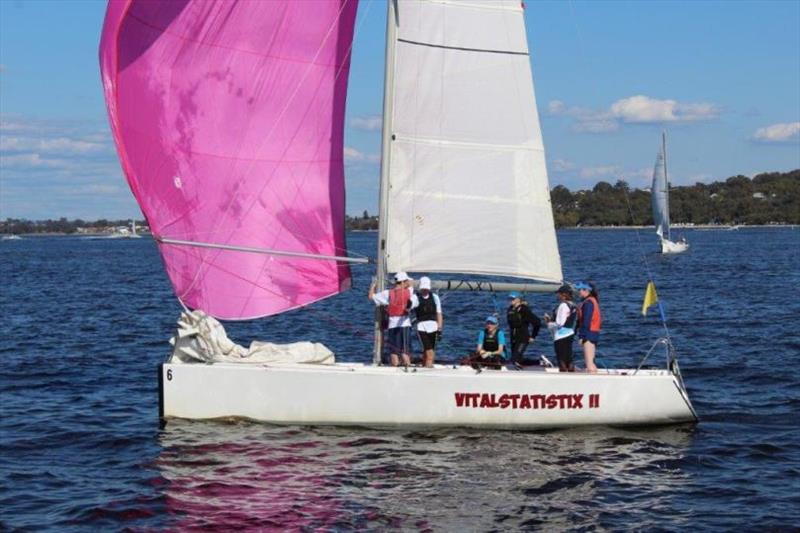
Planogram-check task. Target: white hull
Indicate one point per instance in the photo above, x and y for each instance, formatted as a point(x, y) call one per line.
point(669, 247)
point(359, 395)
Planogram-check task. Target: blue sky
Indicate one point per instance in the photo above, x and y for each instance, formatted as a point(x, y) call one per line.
point(723, 78)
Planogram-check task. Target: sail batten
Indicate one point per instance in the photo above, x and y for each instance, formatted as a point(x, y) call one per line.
point(467, 184)
point(229, 121)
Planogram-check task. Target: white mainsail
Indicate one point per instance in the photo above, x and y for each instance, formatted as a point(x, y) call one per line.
point(660, 192)
point(467, 188)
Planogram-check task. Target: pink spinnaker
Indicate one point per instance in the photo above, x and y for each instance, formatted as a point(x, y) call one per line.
point(229, 123)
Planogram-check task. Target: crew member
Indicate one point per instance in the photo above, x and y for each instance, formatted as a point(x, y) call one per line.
point(490, 350)
point(562, 326)
point(589, 322)
point(428, 309)
point(524, 326)
point(398, 303)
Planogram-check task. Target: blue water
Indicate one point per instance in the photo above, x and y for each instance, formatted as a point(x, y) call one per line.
point(85, 322)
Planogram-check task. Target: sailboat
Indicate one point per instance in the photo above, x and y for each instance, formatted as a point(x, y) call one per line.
point(125, 233)
point(660, 201)
point(229, 123)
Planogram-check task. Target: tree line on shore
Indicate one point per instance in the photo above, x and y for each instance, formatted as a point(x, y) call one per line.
point(768, 198)
point(19, 226)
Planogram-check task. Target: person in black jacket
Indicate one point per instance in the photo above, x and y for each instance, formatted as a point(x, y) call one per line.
point(524, 326)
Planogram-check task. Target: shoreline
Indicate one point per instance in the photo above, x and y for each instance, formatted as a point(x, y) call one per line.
point(718, 227)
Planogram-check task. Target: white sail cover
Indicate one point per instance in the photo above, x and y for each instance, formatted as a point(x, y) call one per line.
point(660, 196)
point(468, 189)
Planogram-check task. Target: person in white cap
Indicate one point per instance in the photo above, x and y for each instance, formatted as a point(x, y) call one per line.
point(398, 304)
point(428, 309)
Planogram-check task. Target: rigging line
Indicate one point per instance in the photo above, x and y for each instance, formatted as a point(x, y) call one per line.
point(593, 84)
point(644, 259)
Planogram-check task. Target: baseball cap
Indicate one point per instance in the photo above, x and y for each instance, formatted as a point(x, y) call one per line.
point(513, 295)
point(491, 319)
point(401, 276)
point(425, 283)
point(582, 285)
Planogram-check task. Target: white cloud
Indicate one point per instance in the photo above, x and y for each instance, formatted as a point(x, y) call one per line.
point(646, 172)
point(645, 110)
point(778, 133)
point(102, 188)
point(51, 168)
point(21, 161)
point(561, 165)
point(556, 107)
point(599, 125)
point(353, 155)
point(637, 109)
point(368, 122)
point(59, 145)
point(593, 172)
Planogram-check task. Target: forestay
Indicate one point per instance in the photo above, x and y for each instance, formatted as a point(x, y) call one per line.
point(660, 198)
point(467, 185)
point(229, 121)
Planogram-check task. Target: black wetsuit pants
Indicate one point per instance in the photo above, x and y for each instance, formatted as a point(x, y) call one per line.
point(564, 354)
point(518, 351)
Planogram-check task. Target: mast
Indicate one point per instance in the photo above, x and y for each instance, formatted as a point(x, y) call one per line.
point(666, 179)
point(388, 97)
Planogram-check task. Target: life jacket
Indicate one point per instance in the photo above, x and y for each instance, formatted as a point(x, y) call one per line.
point(572, 319)
point(490, 342)
point(594, 327)
point(514, 317)
point(426, 310)
point(399, 299)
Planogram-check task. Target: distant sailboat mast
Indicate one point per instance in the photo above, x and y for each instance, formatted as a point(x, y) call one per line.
point(666, 181)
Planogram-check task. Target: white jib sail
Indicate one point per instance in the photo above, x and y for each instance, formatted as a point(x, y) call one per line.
point(467, 185)
point(659, 196)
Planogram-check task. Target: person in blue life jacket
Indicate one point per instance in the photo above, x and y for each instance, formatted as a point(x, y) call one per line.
point(562, 325)
point(428, 310)
point(490, 349)
point(524, 325)
point(589, 322)
point(398, 303)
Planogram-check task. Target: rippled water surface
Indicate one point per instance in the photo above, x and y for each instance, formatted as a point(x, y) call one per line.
point(85, 322)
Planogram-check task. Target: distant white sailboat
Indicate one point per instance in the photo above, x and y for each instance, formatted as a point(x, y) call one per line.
point(251, 224)
point(660, 202)
point(125, 233)
point(11, 237)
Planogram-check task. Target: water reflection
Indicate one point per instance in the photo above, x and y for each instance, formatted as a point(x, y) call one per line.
point(245, 475)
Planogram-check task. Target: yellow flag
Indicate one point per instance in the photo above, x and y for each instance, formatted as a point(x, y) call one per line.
point(650, 297)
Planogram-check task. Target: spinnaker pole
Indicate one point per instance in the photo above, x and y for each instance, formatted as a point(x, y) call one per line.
point(388, 97)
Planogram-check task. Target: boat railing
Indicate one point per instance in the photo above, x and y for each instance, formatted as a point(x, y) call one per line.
point(669, 352)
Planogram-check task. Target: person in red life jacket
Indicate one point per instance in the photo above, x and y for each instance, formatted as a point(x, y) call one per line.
point(589, 322)
point(428, 309)
point(398, 303)
point(562, 326)
point(524, 326)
